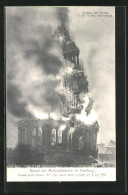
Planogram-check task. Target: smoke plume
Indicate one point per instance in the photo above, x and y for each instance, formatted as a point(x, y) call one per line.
point(33, 60)
point(62, 15)
point(43, 52)
point(15, 104)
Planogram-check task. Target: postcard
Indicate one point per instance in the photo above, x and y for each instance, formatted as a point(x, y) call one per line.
point(60, 93)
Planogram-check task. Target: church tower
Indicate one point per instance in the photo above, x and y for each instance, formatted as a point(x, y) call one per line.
point(74, 83)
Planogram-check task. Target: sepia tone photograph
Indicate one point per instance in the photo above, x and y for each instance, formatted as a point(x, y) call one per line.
point(60, 89)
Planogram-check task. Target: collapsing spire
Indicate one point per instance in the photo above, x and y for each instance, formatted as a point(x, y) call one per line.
point(74, 83)
point(70, 50)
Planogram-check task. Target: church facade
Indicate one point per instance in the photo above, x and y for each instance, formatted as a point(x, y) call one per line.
point(51, 134)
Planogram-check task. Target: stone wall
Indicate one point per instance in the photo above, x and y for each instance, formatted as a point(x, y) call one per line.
point(45, 135)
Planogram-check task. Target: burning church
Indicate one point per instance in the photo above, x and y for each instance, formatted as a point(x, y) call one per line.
point(69, 133)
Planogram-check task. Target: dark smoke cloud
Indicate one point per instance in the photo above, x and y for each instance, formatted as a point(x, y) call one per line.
point(30, 39)
point(49, 63)
point(62, 15)
point(37, 49)
point(48, 98)
point(15, 104)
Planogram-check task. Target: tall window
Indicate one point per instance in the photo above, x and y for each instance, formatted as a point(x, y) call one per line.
point(53, 137)
point(39, 136)
point(60, 136)
point(40, 132)
point(80, 143)
point(34, 133)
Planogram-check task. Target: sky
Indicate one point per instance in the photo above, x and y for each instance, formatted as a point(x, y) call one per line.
point(34, 60)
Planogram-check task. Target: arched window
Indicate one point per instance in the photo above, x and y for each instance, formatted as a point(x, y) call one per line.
point(80, 143)
point(34, 133)
point(53, 137)
point(40, 132)
point(39, 136)
point(60, 131)
point(60, 136)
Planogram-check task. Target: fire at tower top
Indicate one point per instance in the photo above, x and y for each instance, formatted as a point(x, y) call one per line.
point(74, 85)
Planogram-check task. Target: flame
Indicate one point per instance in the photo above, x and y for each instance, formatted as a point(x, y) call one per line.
point(72, 129)
point(68, 70)
point(38, 113)
point(64, 71)
point(83, 117)
point(62, 127)
point(61, 39)
point(87, 119)
point(86, 100)
point(53, 116)
point(42, 115)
